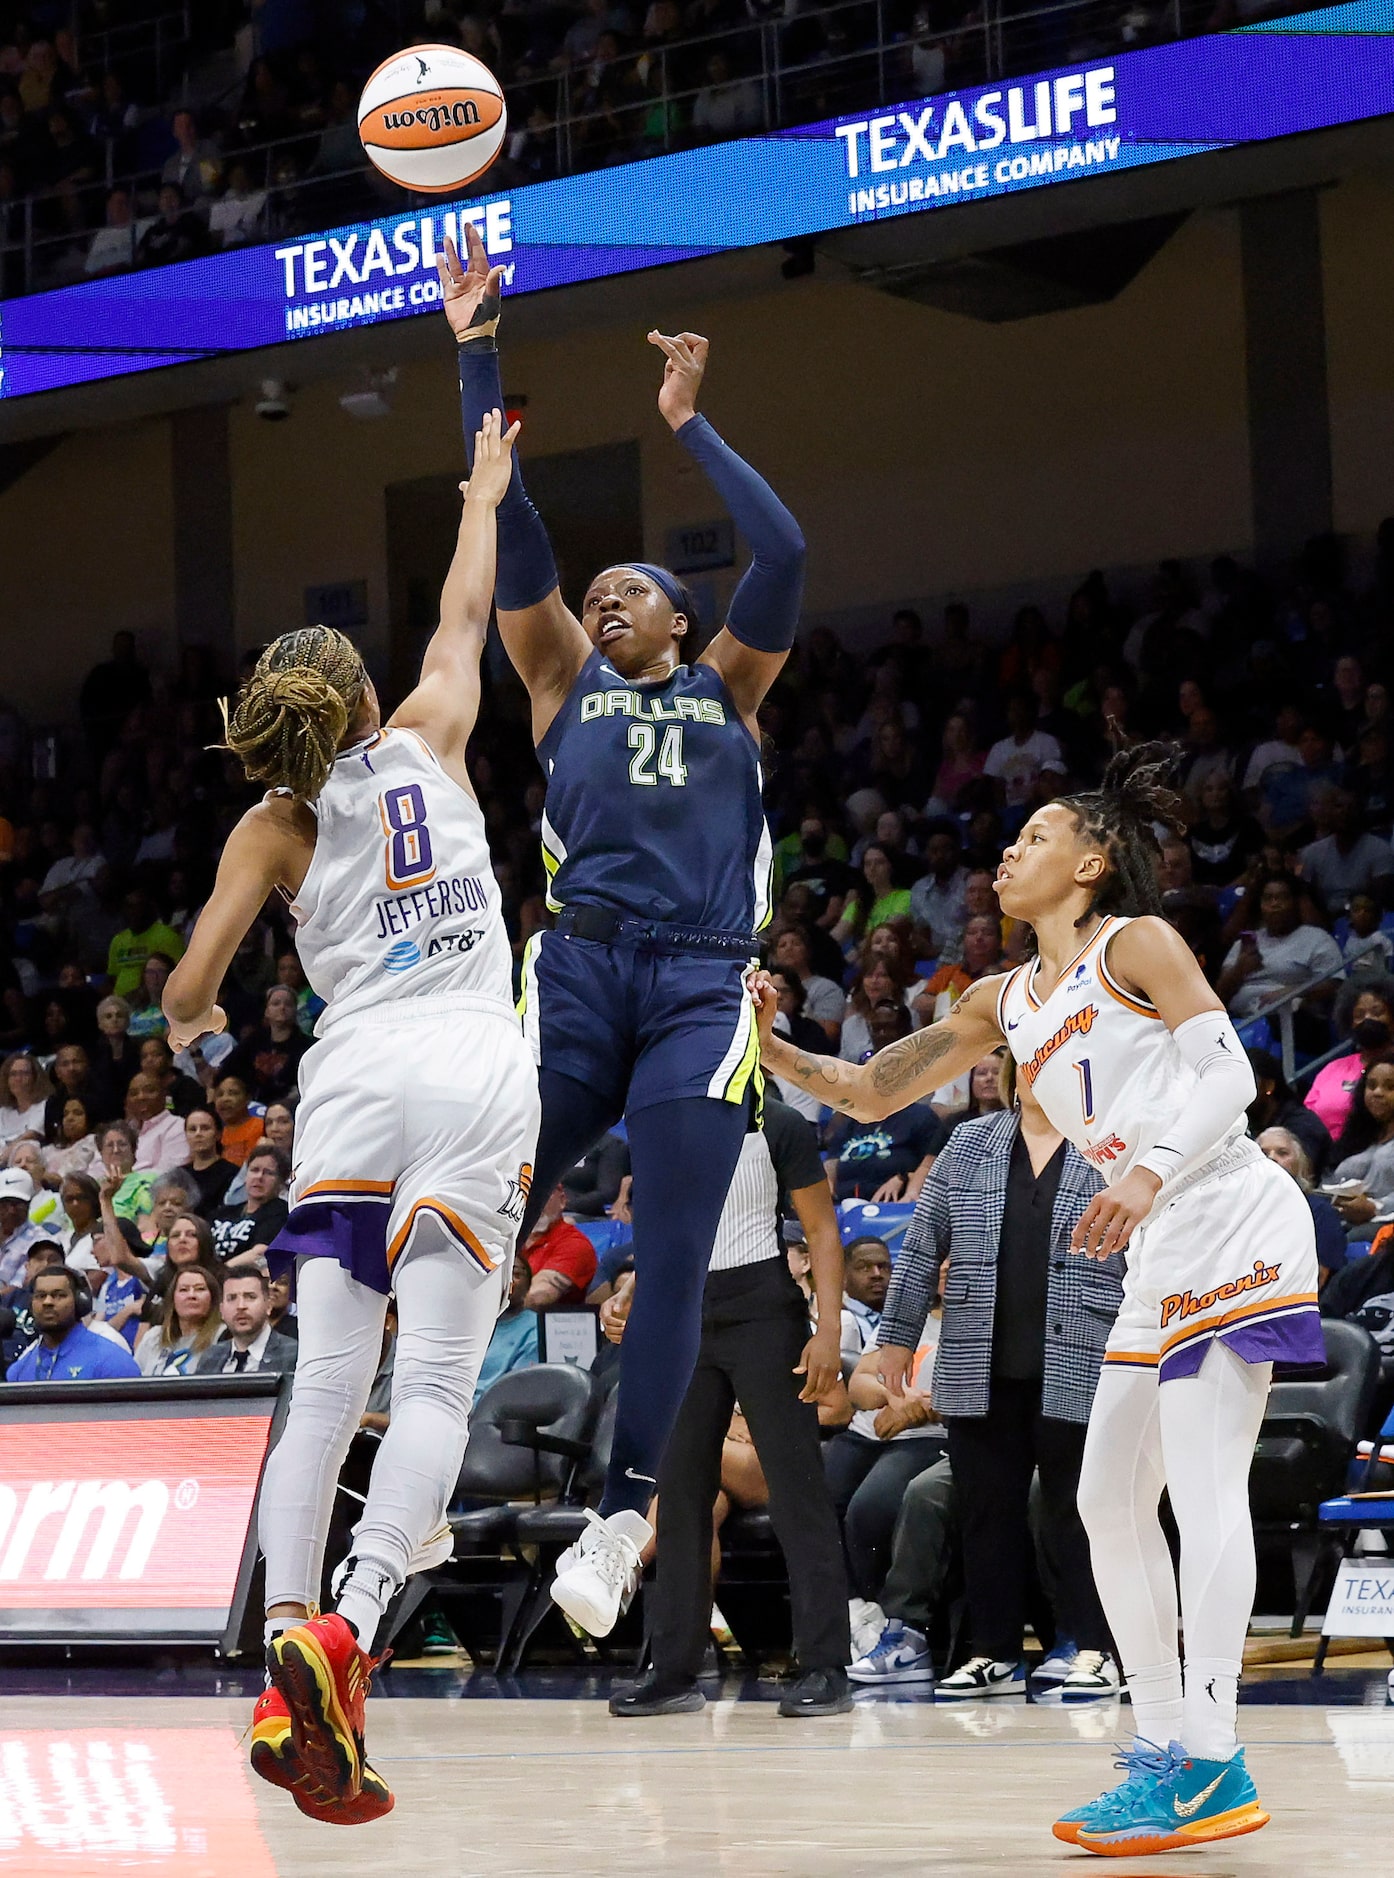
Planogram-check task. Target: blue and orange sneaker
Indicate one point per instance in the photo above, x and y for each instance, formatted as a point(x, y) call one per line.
point(324, 1676)
point(1144, 1767)
point(1197, 1802)
point(275, 1760)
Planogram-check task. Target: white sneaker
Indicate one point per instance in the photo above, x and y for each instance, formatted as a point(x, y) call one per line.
point(1094, 1678)
point(867, 1621)
point(598, 1576)
point(900, 1655)
point(432, 1551)
point(980, 1676)
point(1048, 1678)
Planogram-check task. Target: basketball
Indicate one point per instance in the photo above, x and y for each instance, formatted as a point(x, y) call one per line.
point(432, 118)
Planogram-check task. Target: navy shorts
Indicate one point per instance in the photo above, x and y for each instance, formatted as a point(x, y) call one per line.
point(638, 1026)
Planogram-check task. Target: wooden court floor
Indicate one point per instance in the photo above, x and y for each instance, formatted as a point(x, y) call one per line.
point(159, 1786)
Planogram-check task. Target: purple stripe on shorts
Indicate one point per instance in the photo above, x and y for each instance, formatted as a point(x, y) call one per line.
point(1294, 1338)
point(355, 1235)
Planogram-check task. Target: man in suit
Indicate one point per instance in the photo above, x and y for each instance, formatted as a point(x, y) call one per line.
point(251, 1346)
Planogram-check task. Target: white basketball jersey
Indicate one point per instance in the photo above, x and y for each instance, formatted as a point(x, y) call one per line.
point(400, 900)
point(1098, 1059)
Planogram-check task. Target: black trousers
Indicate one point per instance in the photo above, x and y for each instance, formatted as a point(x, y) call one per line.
point(868, 1480)
point(754, 1327)
point(993, 1457)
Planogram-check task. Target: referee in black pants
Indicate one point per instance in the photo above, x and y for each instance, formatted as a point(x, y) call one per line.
point(756, 1352)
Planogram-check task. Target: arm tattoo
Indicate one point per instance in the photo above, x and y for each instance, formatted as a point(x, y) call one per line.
point(900, 1064)
point(823, 1076)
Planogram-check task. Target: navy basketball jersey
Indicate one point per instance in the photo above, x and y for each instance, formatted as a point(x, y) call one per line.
point(653, 802)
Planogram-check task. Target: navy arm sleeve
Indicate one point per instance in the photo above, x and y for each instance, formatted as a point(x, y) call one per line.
point(527, 572)
point(764, 610)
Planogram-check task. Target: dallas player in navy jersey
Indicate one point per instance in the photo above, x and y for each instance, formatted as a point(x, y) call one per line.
point(659, 866)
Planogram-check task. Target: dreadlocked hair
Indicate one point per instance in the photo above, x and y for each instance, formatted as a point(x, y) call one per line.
point(291, 715)
point(1120, 815)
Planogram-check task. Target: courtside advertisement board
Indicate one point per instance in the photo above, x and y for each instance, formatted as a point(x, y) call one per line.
point(129, 1516)
point(1277, 79)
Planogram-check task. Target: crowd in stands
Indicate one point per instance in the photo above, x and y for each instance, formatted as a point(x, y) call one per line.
point(127, 162)
point(896, 775)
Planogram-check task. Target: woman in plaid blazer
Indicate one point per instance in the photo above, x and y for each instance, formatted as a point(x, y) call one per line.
point(1020, 1349)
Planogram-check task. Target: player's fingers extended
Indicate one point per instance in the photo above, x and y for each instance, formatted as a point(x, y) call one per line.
point(450, 261)
point(474, 241)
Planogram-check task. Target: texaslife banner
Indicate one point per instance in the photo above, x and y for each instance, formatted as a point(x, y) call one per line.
point(1277, 79)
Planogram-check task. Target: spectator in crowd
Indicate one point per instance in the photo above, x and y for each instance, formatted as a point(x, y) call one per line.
point(188, 1241)
point(74, 880)
point(17, 1231)
point(878, 982)
point(250, 1346)
point(823, 1001)
point(239, 1129)
point(1368, 949)
point(268, 1060)
point(593, 1185)
point(160, 1137)
point(1280, 953)
point(111, 691)
point(116, 1057)
point(1224, 841)
point(71, 1143)
point(144, 932)
point(1346, 859)
point(65, 1349)
point(938, 900)
point(982, 956)
point(190, 1324)
point(866, 1278)
point(726, 106)
point(13, 1343)
point(24, 1091)
point(132, 1188)
point(561, 1257)
point(514, 1342)
point(1275, 1105)
point(176, 234)
point(1361, 1183)
point(821, 867)
point(175, 1193)
point(1364, 1015)
point(193, 167)
point(181, 1093)
point(113, 245)
point(803, 1033)
point(1282, 1146)
point(210, 1170)
point(877, 897)
point(960, 766)
point(984, 1091)
point(243, 1233)
point(71, 1072)
point(81, 1199)
point(119, 1297)
point(1017, 762)
point(147, 1017)
point(755, 1351)
point(278, 1127)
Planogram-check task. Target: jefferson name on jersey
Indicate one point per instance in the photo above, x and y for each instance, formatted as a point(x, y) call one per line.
point(409, 905)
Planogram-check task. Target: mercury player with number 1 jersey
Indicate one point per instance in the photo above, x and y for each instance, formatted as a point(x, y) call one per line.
point(415, 1133)
point(1132, 1057)
point(659, 864)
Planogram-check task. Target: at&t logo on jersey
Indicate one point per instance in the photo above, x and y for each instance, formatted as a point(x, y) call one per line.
point(402, 956)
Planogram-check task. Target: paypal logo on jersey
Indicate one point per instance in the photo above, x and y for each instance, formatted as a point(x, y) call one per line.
point(402, 956)
point(1077, 982)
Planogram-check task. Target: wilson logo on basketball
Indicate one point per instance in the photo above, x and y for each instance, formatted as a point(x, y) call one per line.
point(437, 117)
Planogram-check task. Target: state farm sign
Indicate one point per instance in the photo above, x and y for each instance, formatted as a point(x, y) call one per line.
point(131, 1513)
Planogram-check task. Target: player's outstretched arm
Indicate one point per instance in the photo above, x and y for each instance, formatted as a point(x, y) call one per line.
point(270, 847)
point(750, 650)
point(445, 704)
point(901, 1073)
point(543, 638)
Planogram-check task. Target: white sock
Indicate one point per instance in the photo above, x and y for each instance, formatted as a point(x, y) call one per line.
point(1158, 1709)
point(1212, 1693)
point(274, 1627)
point(368, 1590)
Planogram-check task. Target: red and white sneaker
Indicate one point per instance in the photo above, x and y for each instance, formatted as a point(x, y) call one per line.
point(275, 1760)
point(323, 1676)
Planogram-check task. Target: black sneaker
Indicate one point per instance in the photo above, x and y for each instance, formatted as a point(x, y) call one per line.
point(818, 1692)
point(655, 1694)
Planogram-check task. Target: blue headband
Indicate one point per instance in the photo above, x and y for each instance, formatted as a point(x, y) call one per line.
point(669, 586)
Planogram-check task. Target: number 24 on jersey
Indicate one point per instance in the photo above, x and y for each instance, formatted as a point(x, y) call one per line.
point(643, 741)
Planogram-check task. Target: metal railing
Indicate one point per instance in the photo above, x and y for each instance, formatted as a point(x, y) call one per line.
point(1282, 1007)
point(774, 73)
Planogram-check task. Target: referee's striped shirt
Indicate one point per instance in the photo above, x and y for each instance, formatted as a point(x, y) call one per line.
point(774, 1162)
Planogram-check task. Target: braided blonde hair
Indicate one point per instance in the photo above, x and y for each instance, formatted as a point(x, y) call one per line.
point(291, 715)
